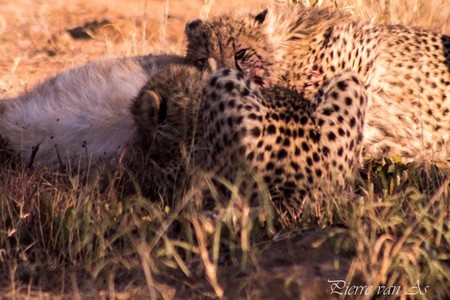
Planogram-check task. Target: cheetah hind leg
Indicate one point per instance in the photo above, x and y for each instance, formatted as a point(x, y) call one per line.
point(338, 110)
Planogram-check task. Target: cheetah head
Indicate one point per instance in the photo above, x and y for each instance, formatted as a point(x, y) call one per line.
point(234, 42)
point(167, 105)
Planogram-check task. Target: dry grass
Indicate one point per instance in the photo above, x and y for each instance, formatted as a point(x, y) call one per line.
point(434, 15)
point(79, 236)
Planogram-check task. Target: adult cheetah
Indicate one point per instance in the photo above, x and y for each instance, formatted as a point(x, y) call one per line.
point(273, 139)
point(406, 70)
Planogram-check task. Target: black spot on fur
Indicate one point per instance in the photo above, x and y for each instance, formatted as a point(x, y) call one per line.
point(229, 86)
point(271, 129)
point(251, 155)
point(331, 136)
point(253, 116)
point(315, 136)
point(342, 85)
point(256, 132)
point(303, 120)
point(226, 72)
point(328, 111)
point(318, 172)
point(282, 154)
point(299, 176)
point(279, 171)
point(213, 81)
point(245, 93)
point(301, 132)
point(305, 147)
point(316, 157)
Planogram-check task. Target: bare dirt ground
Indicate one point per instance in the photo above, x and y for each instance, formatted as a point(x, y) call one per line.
point(36, 42)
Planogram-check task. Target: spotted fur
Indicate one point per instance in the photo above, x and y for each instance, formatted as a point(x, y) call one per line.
point(270, 139)
point(276, 139)
point(406, 70)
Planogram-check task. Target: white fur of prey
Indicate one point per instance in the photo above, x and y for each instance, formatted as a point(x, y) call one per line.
point(80, 115)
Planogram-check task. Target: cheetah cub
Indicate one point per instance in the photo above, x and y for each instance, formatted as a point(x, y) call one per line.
point(276, 140)
point(271, 138)
point(406, 70)
point(166, 112)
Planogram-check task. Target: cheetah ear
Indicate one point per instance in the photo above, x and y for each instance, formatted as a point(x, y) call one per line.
point(261, 16)
point(147, 109)
point(159, 103)
point(192, 27)
point(154, 98)
point(149, 100)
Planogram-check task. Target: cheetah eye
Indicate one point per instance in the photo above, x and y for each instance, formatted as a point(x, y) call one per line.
point(240, 54)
